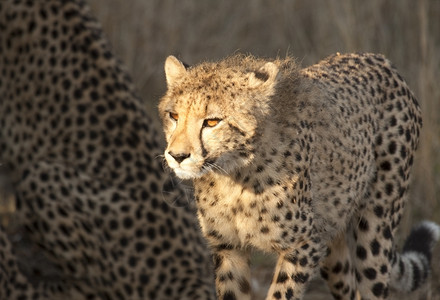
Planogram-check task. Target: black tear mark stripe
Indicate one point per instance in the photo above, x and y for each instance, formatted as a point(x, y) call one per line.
point(204, 151)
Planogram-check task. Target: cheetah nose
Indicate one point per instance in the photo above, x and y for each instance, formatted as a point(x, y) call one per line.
point(179, 157)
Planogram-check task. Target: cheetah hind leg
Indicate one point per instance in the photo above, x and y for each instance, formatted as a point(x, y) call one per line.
point(337, 270)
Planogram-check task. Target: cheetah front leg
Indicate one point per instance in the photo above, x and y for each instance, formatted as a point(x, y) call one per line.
point(337, 269)
point(232, 273)
point(294, 270)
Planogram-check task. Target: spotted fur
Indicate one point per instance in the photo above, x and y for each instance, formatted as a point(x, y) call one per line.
point(312, 164)
point(79, 148)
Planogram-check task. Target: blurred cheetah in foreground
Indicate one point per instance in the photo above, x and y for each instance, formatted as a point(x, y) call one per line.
point(312, 164)
point(78, 145)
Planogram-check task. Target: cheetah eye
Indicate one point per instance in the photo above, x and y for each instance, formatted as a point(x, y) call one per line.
point(211, 122)
point(174, 116)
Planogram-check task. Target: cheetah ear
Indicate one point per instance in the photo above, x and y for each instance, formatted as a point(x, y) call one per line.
point(174, 69)
point(265, 76)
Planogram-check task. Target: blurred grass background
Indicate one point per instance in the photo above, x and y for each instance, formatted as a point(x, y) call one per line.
point(144, 33)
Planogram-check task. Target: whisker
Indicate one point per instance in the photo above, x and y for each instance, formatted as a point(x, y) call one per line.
point(159, 156)
point(217, 167)
point(165, 165)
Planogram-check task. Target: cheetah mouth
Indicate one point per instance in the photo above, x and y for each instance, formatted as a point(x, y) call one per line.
point(188, 173)
point(183, 173)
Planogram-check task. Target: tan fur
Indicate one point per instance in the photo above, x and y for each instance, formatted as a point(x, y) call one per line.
point(299, 159)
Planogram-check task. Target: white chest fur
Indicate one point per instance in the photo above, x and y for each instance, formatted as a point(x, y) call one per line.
point(233, 213)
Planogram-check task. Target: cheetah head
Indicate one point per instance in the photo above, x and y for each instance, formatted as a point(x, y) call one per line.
point(212, 113)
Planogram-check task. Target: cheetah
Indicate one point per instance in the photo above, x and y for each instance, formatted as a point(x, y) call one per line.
point(79, 148)
point(312, 164)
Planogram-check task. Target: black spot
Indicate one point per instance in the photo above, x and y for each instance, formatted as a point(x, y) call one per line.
point(139, 246)
point(229, 295)
point(260, 169)
point(277, 295)
point(275, 218)
point(378, 289)
point(337, 297)
point(392, 147)
point(370, 273)
point(338, 285)
point(289, 293)
point(378, 211)
point(300, 277)
point(324, 274)
point(144, 279)
point(358, 276)
point(258, 189)
point(387, 233)
point(337, 268)
point(369, 61)
point(64, 191)
point(128, 222)
point(123, 242)
point(77, 94)
point(389, 188)
point(44, 177)
point(282, 277)
point(244, 285)
point(393, 121)
point(151, 262)
point(403, 152)
point(113, 224)
point(303, 261)
point(122, 272)
point(222, 247)
point(386, 166)
point(375, 247)
point(264, 229)
point(361, 252)
point(379, 140)
point(363, 224)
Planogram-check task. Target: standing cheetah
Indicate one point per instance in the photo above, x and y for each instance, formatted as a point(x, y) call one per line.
point(312, 164)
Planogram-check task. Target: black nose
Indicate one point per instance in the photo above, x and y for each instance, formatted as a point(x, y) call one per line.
point(179, 157)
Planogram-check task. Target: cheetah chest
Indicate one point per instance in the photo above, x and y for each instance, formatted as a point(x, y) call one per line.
point(234, 214)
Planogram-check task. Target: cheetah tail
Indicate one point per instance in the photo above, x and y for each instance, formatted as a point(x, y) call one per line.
point(413, 267)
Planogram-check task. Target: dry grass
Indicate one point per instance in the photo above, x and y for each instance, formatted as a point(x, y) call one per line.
point(407, 32)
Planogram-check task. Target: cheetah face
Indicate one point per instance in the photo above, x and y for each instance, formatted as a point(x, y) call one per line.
point(211, 115)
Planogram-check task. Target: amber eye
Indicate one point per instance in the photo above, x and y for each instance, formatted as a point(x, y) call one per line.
point(174, 116)
point(211, 122)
